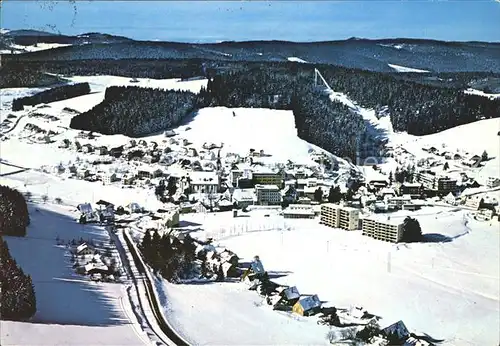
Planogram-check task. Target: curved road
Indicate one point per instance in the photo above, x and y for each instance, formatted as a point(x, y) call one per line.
point(143, 279)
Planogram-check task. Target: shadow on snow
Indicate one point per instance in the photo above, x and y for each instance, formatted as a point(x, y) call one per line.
point(64, 297)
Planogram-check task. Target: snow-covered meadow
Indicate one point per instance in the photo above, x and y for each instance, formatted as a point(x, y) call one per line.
point(446, 287)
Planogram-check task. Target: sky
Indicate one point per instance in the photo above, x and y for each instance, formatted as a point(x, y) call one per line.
point(214, 21)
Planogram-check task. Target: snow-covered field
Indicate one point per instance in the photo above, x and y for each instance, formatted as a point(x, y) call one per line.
point(447, 288)
point(295, 59)
point(16, 48)
point(399, 68)
point(481, 93)
point(70, 309)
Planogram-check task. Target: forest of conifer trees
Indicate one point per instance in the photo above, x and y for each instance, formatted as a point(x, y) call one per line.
point(171, 258)
point(17, 298)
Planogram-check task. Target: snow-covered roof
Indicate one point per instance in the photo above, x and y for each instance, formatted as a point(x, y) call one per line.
point(243, 194)
point(411, 185)
point(85, 208)
point(291, 293)
point(82, 247)
point(101, 266)
point(204, 178)
point(298, 211)
point(387, 191)
point(384, 219)
point(267, 187)
point(309, 302)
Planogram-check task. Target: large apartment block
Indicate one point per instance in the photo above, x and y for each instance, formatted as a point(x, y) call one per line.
point(435, 183)
point(337, 216)
point(383, 229)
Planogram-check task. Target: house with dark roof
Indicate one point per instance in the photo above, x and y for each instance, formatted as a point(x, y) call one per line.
point(396, 333)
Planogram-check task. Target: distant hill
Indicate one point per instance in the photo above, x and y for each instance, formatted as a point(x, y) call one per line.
point(31, 37)
point(374, 55)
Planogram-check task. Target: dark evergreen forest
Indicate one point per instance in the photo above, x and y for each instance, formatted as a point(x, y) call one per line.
point(17, 298)
point(14, 216)
point(135, 111)
point(52, 95)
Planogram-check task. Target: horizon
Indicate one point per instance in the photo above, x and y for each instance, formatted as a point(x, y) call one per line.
point(301, 22)
point(7, 30)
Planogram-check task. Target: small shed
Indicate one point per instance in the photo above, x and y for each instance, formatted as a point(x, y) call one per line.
point(84, 249)
point(85, 208)
point(290, 295)
point(134, 207)
point(102, 150)
point(396, 333)
point(307, 306)
point(87, 148)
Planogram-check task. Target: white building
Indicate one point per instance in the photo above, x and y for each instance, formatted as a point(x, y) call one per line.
point(298, 211)
point(108, 177)
point(398, 201)
point(243, 197)
point(337, 216)
point(267, 194)
point(383, 228)
point(484, 214)
point(204, 182)
point(473, 201)
point(492, 182)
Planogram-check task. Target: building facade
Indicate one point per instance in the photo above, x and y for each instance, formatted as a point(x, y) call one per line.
point(337, 216)
point(267, 195)
point(268, 178)
point(434, 183)
point(492, 182)
point(298, 211)
point(383, 229)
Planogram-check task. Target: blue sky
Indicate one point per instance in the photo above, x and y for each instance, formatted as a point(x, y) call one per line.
point(213, 21)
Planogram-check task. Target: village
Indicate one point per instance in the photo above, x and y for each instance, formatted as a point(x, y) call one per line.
point(200, 179)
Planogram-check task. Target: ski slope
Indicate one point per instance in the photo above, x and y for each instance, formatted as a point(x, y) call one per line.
point(241, 129)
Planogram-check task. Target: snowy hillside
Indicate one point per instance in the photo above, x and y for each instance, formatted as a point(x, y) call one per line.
point(468, 140)
point(241, 129)
point(91, 313)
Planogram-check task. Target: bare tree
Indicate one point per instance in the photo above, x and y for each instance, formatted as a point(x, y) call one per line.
point(45, 198)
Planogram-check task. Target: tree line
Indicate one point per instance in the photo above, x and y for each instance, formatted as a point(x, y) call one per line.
point(173, 259)
point(16, 72)
point(51, 95)
point(415, 106)
point(135, 111)
point(17, 298)
point(14, 216)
